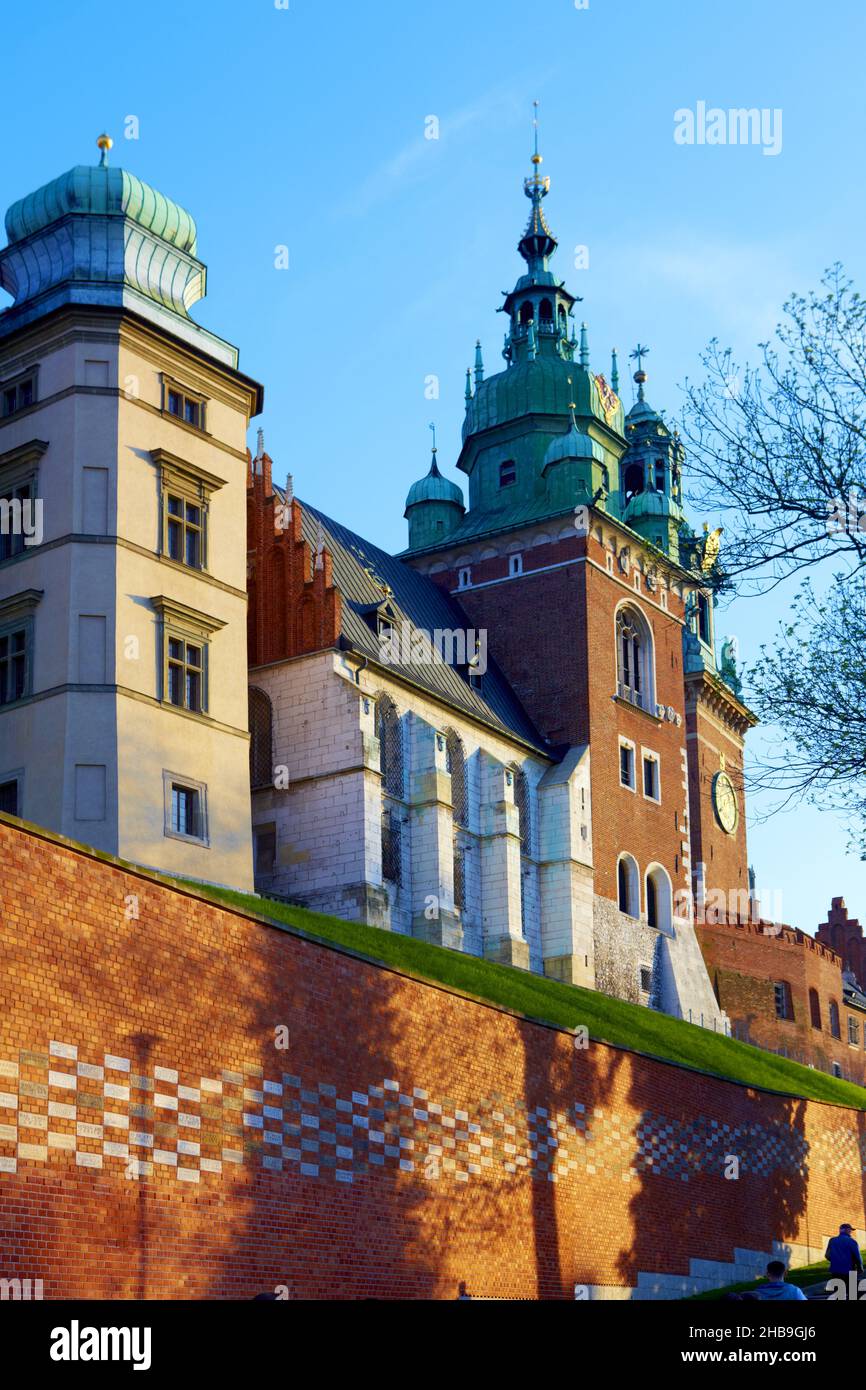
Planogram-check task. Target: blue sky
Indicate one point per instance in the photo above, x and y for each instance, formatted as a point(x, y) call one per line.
point(304, 127)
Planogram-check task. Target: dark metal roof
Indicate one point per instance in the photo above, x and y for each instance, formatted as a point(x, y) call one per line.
point(360, 570)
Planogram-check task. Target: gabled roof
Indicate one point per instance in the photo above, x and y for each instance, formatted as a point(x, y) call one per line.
point(360, 569)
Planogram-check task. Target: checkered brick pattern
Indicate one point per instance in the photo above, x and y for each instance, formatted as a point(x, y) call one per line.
point(106, 1113)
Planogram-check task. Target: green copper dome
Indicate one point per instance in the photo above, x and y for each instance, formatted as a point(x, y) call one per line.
point(434, 488)
point(103, 191)
point(572, 445)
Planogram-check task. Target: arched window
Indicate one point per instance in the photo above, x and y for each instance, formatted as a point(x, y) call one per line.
point(659, 899)
point(628, 891)
point(261, 739)
point(634, 663)
point(521, 801)
point(815, 1009)
point(390, 734)
point(455, 761)
point(545, 311)
point(633, 481)
point(527, 312)
point(835, 1027)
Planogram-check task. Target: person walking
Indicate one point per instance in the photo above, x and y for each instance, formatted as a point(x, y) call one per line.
point(843, 1252)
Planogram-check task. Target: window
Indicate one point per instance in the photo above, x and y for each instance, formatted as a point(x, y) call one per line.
point(628, 895)
point(464, 578)
point(626, 765)
point(634, 658)
point(185, 637)
point(185, 808)
point(835, 1027)
point(651, 788)
point(704, 619)
point(184, 530)
point(455, 762)
point(261, 739)
point(633, 481)
point(16, 518)
point(814, 1008)
point(185, 675)
point(853, 1032)
point(507, 473)
point(392, 868)
point(9, 800)
point(18, 395)
point(837, 1070)
point(265, 848)
point(783, 1000)
point(14, 664)
point(183, 404)
point(389, 731)
point(659, 900)
point(545, 311)
point(660, 477)
point(521, 801)
point(515, 564)
point(186, 494)
point(646, 979)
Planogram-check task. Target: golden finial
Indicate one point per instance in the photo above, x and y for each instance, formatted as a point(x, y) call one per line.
point(104, 143)
point(536, 157)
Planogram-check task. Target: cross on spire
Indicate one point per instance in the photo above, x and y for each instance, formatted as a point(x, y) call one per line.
point(638, 355)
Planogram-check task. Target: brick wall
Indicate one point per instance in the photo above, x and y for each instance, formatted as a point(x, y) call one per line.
point(156, 1142)
point(746, 961)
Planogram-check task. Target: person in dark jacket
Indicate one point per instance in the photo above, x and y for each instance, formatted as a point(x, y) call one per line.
point(843, 1252)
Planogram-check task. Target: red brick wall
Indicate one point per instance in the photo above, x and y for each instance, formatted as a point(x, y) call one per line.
point(553, 635)
point(744, 963)
point(525, 1165)
point(845, 935)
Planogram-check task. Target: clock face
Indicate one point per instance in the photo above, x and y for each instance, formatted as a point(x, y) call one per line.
point(725, 803)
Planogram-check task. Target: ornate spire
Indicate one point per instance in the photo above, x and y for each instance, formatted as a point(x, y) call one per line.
point(584, 346)
point(638, 355)
point(468, 392)
point(479, 364)
point(614, 371)
point(538, 242)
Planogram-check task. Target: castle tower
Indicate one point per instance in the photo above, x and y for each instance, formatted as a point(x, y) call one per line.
point(123, 692)
point(575, 572)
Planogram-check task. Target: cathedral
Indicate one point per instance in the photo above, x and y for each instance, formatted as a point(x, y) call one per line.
point(513, 739)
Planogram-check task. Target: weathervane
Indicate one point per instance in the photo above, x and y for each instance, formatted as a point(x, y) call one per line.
point(638, 355)
point(432, 429)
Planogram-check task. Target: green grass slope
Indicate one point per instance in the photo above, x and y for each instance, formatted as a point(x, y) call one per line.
point(565, 1006)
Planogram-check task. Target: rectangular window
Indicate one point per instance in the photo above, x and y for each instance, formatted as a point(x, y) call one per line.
point(515, 564)
point(14, 512)
point(14, 664)
point(184, 405)
point(646, 979)
point(9, 803)
point(704, 623)
point(19, 395)
point(853, 1032)
point(651, 779)
point(464, 578)
point(781, 999)
point(265, 841)
point(184, 532)
point(507, 473)
point(185, 808)
point(185, 675)
point(391, 847)
point(626, 765)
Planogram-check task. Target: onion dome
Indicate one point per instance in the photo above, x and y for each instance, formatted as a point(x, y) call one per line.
point(433, 487)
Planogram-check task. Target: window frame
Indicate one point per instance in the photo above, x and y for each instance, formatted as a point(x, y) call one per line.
point(15, 383)
point(187, 397)
point(179, 623)
point(193, 487)
point(7, 778)
point(649, 758)
point(635, 666)
point(627, 745)
point(177, 780)
point(17, 614)
point(19, 469)
point(507, 466)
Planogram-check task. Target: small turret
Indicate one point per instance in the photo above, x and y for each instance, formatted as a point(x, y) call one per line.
point(651, 472)
point(434, 506)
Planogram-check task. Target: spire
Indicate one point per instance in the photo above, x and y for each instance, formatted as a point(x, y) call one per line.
point(104, 143)
point(584, 346)
point(638, 355)
point(614, 371)
point(260, 445)
point(538, 243)
point(479, 365)
point(468, 392)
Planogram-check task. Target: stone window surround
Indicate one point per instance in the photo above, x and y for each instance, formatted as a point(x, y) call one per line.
point(28, 374)
point(173, 779)
point(169, 383)
point(16, 612)
point(187, 625)
point(178, 478)
point(632, 785)
point(649, 755)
